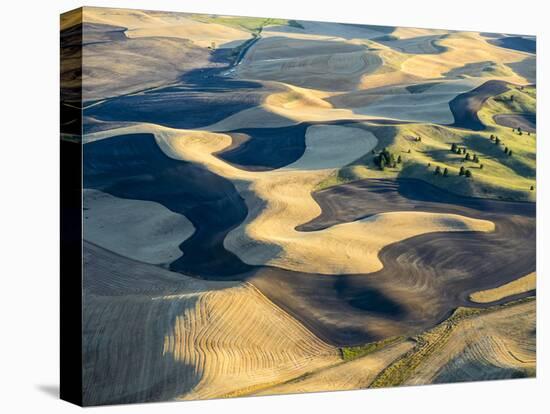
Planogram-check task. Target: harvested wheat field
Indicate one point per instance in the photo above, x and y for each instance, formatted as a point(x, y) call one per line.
point(278, 206)
point(515, 287)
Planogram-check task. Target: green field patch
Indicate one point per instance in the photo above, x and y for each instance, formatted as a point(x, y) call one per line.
point(251, 24)
point(426, 151)
point(354, 352)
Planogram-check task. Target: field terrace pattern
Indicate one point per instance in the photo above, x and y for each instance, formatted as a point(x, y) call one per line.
point(280, 206)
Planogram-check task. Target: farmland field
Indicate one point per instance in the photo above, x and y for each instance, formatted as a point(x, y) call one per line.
point(280, 206)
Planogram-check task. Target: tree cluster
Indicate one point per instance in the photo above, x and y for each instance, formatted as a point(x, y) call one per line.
point(444, 172)
point(464, 172)
point(458, 150)
point(387, 159)
point(520, 132)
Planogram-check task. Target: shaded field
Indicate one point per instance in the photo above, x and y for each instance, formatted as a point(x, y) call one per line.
point(261, 149)
point(516, 43)
point(161, 317)
point(140, 62)
point(134, 167)
point(264, 149)
point(212, 267)
point(318, 64)
point(343, 310)
point(424, 278)
point(465, 106)
point(526, 68)
point(204, 100)
point(359, 199)
point(151, 335)
point(527, 122)
point(421, 87)
point(429, 103)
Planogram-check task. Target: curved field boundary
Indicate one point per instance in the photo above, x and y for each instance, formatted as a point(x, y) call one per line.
point(465, 106)
point(516, 43)
point(132, 166)
point(519, 286)
point(527, 122)
point(424, 278)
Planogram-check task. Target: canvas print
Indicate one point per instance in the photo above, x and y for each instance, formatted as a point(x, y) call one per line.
point(274, 206)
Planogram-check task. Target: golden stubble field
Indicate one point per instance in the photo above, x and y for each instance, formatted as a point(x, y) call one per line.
point(156, 328)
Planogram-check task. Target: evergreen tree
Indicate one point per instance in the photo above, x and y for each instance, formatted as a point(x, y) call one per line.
point(506, 150)
point(467, 157)
point(509, 153)
point(462, 171)
point(445, 172)
point(399, 159)
point(468, 174)
point(437, 170)
point(476, 158)
point(480, 166)
point(385, 159)
point(453, 147)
